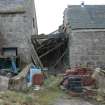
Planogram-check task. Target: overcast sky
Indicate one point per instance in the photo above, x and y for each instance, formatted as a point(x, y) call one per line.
point(50, 12)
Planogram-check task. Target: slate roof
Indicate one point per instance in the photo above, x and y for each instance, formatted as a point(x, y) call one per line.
point(7, 6)
point(87, 17)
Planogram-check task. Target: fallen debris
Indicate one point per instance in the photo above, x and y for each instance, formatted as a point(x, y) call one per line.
point(29, 76)
point(18, 82)
point(76, 79)
point(99, 75)
point(51, 48)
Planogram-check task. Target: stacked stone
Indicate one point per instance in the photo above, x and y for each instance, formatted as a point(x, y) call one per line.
point(87, 48)
point(17, 26)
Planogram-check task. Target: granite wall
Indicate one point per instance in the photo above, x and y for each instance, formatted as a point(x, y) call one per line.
point(16, 28)
point(87, 48)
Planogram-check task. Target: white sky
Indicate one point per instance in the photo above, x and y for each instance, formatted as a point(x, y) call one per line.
point(50, 12)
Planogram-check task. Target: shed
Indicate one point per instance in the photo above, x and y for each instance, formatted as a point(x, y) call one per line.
point(85, 26)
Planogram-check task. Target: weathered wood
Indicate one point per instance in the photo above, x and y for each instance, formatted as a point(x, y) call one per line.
point(17, 82)
point(60, 58)
point(40, 36)
point(42, 45)
point(46, 47)
point(103, 71)
point(36, 57)
point(43, 37)
point(51, 50)
point(23, 73)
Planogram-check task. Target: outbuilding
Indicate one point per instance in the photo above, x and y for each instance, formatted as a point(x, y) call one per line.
point(85, 26)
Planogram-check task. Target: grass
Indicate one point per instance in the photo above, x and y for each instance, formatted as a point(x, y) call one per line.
point(51, 91)
point(46, 96)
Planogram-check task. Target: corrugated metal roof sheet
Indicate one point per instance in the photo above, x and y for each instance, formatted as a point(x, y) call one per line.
point(89, 16)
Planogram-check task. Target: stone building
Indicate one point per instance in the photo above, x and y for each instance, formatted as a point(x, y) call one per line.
point(85, 26)
point(17, 24)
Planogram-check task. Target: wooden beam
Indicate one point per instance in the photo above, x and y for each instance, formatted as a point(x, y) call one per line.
point(51, 50)
point(35, 57)
point(60, 58)
point(43, 37)
point(40, 37)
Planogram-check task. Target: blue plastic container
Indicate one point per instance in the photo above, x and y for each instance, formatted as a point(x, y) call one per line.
point(33, 71)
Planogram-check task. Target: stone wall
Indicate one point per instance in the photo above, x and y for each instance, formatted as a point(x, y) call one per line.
point(15, 32)
point(16, 29)
point(87, 48)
